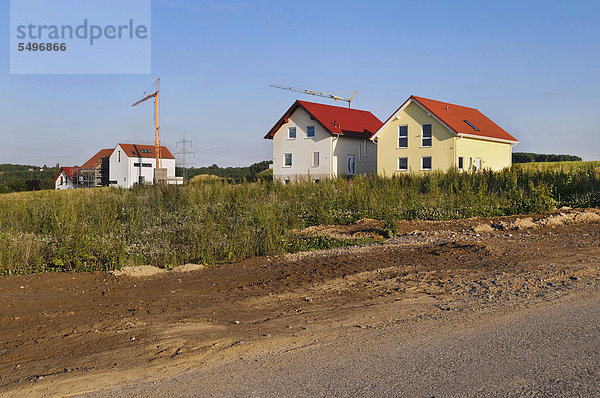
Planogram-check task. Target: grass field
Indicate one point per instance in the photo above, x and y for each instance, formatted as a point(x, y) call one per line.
point(214, 221)
point(566, 166)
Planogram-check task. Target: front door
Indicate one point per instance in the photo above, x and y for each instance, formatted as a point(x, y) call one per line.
point(351, 170)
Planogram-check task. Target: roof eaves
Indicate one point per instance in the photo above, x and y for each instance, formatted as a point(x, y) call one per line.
point(485, 138)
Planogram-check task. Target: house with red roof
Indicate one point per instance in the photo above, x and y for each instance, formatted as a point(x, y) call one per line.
point(313, 140)
point(94, 172)
point(132, 164)
point(425, 134)
point(64, 178)
point(124, 166)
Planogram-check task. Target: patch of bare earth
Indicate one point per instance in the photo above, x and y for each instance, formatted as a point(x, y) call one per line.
point(72, 333)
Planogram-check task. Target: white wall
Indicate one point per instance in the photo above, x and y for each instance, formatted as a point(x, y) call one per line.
point(125, 174)
point(118, 169)
point(302, 149)
point(66, 182)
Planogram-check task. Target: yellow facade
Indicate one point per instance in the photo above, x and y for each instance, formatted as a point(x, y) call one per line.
point(446, 146)
point(493, 155)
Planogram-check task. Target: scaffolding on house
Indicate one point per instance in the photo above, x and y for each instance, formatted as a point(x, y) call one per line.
point(92, 177)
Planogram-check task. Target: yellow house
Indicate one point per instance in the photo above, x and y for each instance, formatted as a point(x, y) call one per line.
point(425, 134)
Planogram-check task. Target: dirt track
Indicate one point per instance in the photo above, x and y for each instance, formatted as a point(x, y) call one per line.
point(63, 333)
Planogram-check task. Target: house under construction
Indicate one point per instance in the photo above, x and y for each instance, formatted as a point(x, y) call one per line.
point(124, 166)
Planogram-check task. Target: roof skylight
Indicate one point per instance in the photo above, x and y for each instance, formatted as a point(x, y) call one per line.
point(472, 125)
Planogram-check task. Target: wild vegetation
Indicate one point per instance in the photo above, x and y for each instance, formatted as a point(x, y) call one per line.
point(19, 178)
point(216, 221)
point(237, 174)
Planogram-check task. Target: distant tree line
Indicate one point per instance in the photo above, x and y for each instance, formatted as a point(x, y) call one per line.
point(237, 174)
point(19, 178)
point(525, 157)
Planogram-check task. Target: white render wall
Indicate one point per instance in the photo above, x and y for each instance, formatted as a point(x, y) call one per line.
point(302, 149)
point(124, 174)
point(333, 151)
point(67, 183)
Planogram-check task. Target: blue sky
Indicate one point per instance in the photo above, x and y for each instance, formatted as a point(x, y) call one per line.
point(531, 66)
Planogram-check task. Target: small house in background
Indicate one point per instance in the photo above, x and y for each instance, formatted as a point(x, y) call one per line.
point(323, 141)
point(64, 178)
point(131, 164)
point(425, 134)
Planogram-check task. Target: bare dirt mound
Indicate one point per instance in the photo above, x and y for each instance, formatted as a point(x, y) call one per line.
point(188, 268)
point(361, 229)
point(139, 271)
point(565, 217)
point(458, 248)
point(144, 271)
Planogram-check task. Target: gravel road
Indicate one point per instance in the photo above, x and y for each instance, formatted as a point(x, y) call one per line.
point(551, 350)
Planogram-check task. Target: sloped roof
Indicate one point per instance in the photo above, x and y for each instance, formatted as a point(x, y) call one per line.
point(335, 119)
point(95, 160)
point(68, 172)
point(145, 151)
point(460, 119)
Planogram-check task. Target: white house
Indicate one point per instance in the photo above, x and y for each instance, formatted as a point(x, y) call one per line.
point(323, 141)
point(64, 178)
point(131, 164)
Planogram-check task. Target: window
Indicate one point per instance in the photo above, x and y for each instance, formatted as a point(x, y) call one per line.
point(472, 125)
point(62, 182)
point(402, 164)
point(292, 133)
point(146, 165)
point(402, 136)
point(426, 163)
point(118, 156)
point(137, 165)
point(360, 153)
point(461, 163)
point(315, 159)
point(287, 160)
point(310, 131)
point(426, 137)
point(365, 147)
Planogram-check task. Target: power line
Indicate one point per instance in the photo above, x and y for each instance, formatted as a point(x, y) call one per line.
point(184, 156)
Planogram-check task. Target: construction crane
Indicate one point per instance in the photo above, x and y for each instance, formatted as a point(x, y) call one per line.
point(319, 94)
point(154, 89)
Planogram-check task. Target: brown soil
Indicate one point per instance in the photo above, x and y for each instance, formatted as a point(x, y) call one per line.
point(62, 333)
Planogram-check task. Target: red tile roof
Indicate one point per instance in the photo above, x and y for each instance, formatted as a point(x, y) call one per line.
point(335, 119)
point(456, 117)
point(68, 171)
point(95, 160)
point(145, 151)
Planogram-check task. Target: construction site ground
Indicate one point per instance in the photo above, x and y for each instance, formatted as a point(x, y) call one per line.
point(83, 333)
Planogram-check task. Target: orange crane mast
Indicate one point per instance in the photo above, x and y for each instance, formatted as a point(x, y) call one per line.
point(157, 138)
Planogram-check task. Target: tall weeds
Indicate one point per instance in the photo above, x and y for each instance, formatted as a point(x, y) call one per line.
point(212, 222)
